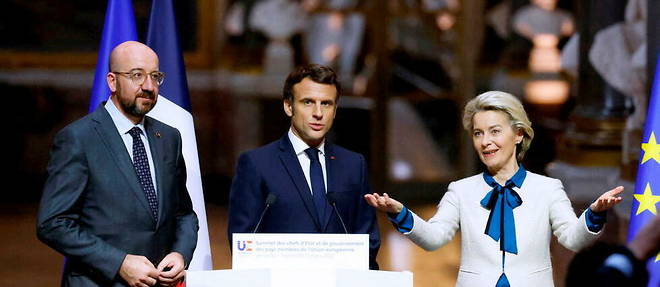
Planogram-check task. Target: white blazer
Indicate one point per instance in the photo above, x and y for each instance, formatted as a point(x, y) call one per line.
point(545, 210)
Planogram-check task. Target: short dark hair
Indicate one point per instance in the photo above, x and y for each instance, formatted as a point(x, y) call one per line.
point(315, 72)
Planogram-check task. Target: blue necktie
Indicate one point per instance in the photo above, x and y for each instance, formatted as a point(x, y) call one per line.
point(318, 185)
point(141, 165)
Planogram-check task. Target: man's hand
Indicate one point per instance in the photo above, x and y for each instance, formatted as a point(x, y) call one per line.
point(138, 271)
point(171, 269)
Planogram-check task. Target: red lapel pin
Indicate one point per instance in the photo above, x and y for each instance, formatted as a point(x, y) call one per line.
point(332, 157)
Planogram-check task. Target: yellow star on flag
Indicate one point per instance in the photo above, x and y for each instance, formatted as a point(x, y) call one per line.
point(657, 258)
point(651, 150)
point(647, 201)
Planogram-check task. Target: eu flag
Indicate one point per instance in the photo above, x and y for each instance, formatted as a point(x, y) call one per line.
point(647, 186)
point(173, 108)
point(119, 26)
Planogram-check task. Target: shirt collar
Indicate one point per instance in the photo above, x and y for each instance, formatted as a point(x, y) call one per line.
point(299, 146)
point(517, 179)
point(122, 123)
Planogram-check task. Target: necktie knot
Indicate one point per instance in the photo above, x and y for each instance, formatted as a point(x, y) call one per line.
point(135, 132)
point(312, 153)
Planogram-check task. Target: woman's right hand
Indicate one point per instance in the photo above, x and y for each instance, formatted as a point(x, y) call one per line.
point(383, 203)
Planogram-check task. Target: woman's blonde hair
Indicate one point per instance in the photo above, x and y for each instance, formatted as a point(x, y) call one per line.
point(508, 104)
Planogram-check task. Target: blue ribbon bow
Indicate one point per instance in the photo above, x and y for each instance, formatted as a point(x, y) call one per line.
point(501, 201)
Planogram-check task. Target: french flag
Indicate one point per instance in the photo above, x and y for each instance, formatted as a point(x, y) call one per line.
point(173, 108)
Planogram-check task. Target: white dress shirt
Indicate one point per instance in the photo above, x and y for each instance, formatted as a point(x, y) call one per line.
point(299, 147)
point(123, 125)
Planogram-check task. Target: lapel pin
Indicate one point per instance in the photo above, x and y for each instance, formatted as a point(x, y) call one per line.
point(158, 134)
point(332, 157)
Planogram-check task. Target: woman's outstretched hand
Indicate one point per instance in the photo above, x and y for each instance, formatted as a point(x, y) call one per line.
point(383, 202)
point(607, 200)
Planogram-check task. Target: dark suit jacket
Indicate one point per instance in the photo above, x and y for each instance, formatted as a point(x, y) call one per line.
point(93, 209)
point(275, 168)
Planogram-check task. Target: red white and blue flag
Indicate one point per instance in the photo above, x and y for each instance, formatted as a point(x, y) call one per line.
point(173, 108)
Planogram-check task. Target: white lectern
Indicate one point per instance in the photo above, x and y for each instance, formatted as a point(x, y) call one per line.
point(291, 260)
point(298, 278)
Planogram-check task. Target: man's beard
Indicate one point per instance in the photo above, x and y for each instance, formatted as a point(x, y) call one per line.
point(132, 107)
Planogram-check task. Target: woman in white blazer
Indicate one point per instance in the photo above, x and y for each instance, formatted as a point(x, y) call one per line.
point(506, 214)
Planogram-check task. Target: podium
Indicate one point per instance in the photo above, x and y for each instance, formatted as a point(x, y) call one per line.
point(298, 278)
point(292, 260)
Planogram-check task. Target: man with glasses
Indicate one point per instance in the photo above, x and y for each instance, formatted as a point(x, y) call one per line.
point(115, 202)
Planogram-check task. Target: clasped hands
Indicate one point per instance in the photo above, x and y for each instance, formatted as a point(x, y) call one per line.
point(138, 271)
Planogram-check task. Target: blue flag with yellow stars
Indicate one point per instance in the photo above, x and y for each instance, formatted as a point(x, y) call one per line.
point(646, 198)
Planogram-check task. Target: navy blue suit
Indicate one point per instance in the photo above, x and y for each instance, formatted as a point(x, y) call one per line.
point(94, 211)
point(275, 168)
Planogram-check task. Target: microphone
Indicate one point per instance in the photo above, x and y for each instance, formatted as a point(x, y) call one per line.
point(270, 199)
point(333, 201)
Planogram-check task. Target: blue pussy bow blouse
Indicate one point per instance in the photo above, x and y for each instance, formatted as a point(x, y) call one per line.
point(501, 225)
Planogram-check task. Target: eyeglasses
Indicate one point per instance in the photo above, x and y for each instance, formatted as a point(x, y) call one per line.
point(138, 76)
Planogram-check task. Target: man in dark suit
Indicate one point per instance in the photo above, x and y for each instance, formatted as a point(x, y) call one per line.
point(302, 170)
point(115, 202)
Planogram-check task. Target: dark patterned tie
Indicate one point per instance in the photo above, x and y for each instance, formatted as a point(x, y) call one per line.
point(318, 185)
point(141, 164)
